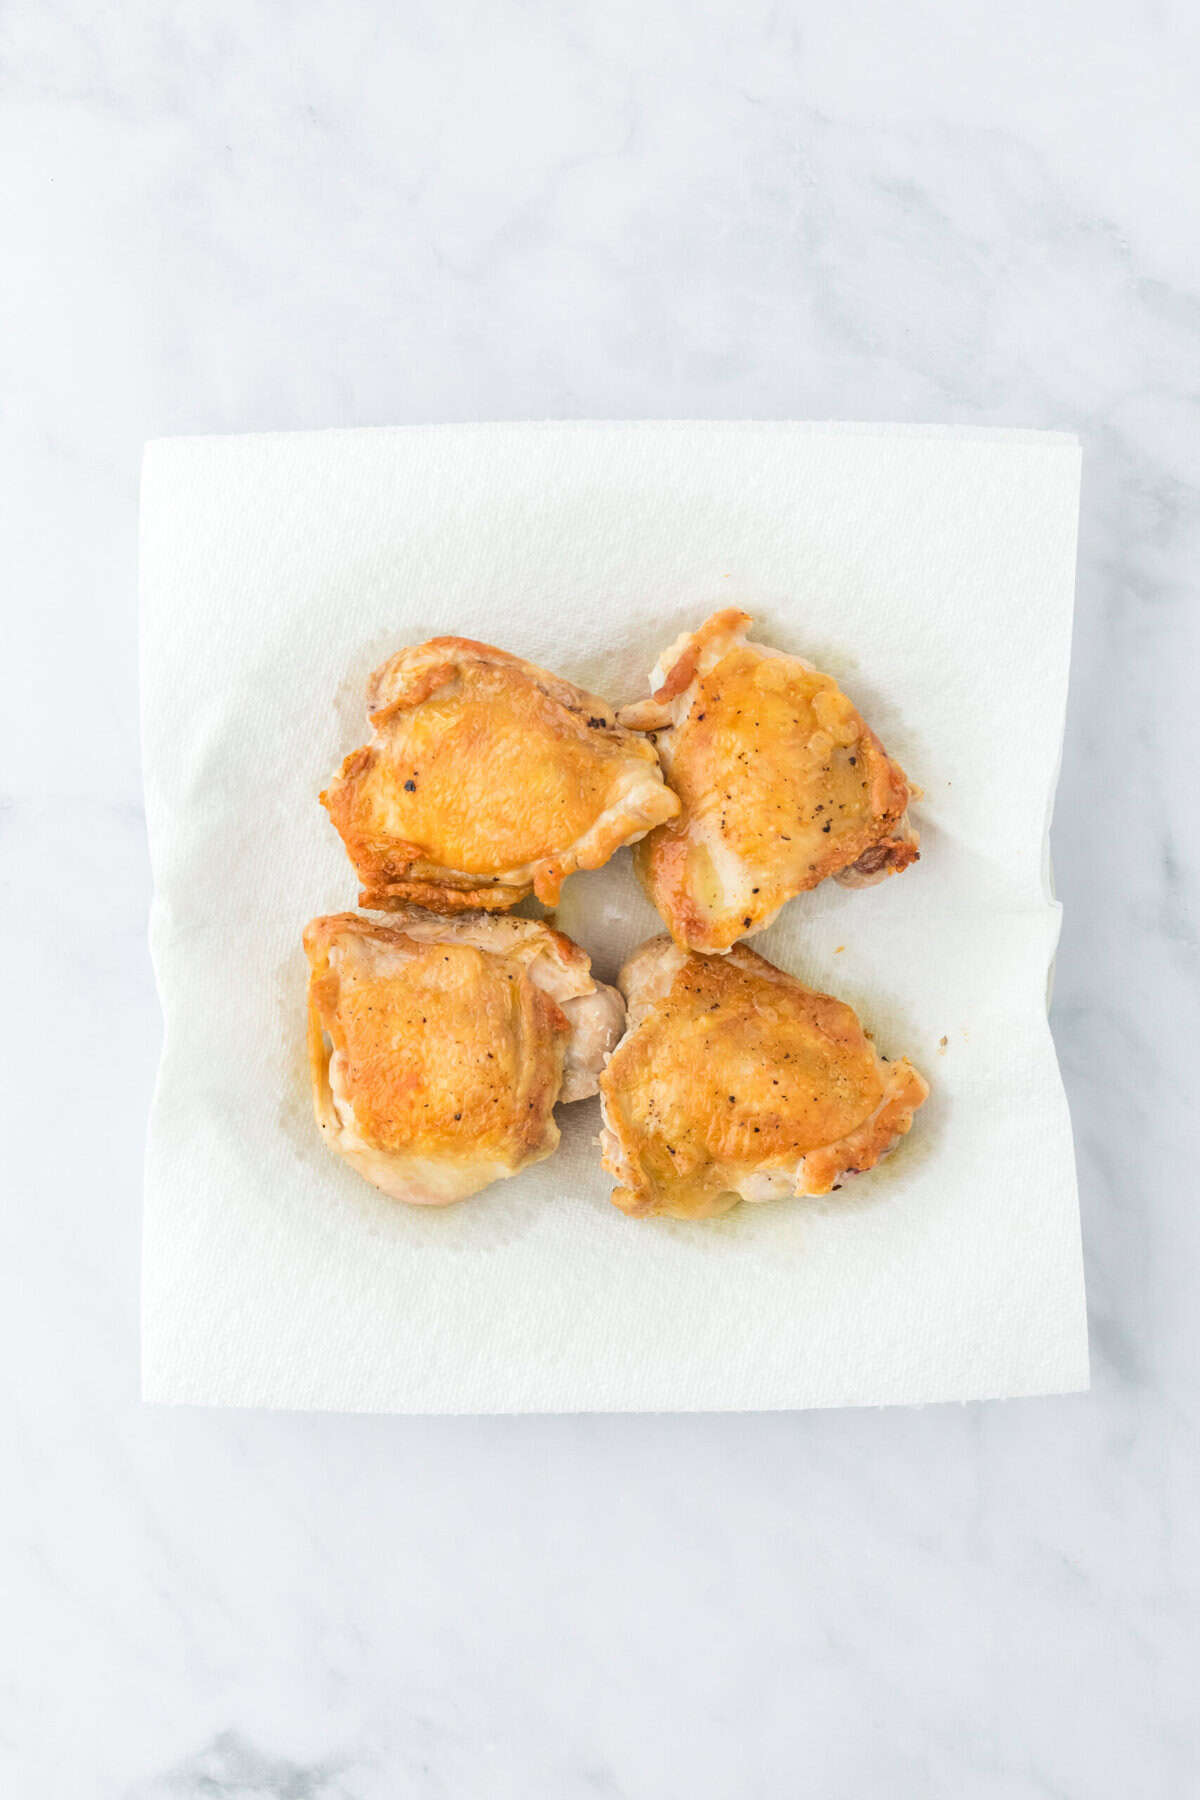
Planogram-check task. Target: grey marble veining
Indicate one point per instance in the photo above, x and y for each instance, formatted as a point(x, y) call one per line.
point(231, 217)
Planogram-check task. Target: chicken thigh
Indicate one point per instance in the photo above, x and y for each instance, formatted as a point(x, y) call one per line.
point(487, 778)
point(734, 1081)
point(781, 784)
point(439, 1047)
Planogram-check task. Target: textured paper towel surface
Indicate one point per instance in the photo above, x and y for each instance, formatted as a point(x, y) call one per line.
point(931, 571)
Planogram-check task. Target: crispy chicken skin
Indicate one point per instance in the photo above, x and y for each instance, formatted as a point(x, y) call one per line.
point(781, 784)
point(439, 1047)
point(734, 1081)
point(487, 778)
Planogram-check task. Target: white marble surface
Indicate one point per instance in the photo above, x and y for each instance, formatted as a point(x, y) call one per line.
point(223, 216)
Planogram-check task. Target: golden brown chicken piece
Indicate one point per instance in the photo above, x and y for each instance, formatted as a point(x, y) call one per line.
point(735, 1081)
point(781, 784)
point(439, 1047)
point(487, 778)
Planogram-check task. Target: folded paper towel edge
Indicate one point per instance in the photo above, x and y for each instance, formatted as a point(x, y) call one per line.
point(1030, 435)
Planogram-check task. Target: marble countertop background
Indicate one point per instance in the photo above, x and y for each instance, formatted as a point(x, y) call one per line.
point(229, 215)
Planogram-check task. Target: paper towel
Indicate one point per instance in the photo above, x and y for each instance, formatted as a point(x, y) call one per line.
point(931, 571)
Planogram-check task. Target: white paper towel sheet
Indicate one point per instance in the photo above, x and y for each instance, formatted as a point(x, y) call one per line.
point(931, 571)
